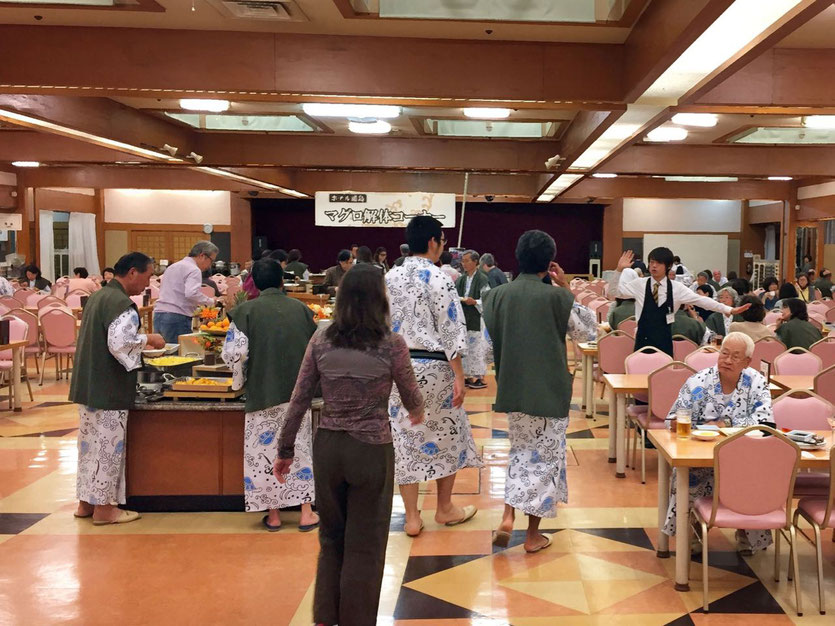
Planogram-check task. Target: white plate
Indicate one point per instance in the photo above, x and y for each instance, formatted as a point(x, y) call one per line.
point(705, 435)
point(153, 353)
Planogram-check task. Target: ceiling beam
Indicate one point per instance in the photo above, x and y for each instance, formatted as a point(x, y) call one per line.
point(599, 189)
point(30, 145)
point(104, 177)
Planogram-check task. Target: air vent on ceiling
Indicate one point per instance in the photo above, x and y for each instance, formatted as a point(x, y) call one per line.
point(275, 10)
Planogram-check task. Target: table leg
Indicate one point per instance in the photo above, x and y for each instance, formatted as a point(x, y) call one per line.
point(16, 367)
point(620, 468)
point(613, 418)
point(682, 529)
point(663, 551)
point(588, 384)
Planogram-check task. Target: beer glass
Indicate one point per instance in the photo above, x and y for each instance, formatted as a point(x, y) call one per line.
point(683, 423)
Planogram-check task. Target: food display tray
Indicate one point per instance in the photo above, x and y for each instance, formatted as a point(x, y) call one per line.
point(182, 385)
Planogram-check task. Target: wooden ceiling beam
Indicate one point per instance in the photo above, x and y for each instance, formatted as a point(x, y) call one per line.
point(601, 189)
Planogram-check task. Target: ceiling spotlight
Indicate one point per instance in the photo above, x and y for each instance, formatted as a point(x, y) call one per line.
point(376, 127)
point(212, 106)
point(26, 163)
point(553, 162)
point(703, 120)
point(826, 122)
point(603, 175)
point(195, 157)
point(667, 133)
point(486, 113)
point(377, 111)
point(780, 178)
point(172, 150)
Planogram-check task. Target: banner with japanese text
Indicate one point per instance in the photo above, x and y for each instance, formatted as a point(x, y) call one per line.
point(350, 208)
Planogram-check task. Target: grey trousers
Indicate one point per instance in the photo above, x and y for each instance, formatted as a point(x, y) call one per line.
point(354, 489)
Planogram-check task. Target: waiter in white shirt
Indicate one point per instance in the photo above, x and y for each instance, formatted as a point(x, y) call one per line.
point(657, 298)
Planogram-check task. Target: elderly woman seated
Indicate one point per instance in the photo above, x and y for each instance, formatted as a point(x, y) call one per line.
point(719, 323)
point(728, 394)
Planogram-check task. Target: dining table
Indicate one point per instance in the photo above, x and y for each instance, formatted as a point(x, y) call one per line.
point(787, 382)
point(589, 353)
point(17, 348)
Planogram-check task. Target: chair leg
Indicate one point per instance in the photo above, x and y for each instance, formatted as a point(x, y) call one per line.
point(705, 599)
point(777, 538)
point(793, 539)
point(57, 367)
point(37, 369)
point(819, 557)
point(43, 367)
point(644, 458)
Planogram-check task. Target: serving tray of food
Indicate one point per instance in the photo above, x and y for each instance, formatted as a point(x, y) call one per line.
point(203, 384)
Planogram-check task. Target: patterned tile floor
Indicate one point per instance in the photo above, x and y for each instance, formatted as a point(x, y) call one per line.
point(221, 568)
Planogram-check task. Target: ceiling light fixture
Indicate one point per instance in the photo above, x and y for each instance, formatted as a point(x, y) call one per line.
point(199, 104)
point(545, 197)
point(33, 122)
point(700, 179)
point(603, 175)
point(216, 171)
point(172, 150)
point(26, 163)
point(377, 111)
point(195, 157)
point(487, 113)
point(780, 178)
point(666, 133)
point(562, 183)
point(376, 127)
point(701, 120)
point(826, 122)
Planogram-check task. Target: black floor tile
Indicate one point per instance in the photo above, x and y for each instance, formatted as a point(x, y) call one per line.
point(51, 433)
point(752, 599)
point(421, 566)
point(13, 523)
point(632, 536)
point(499, 434)
point(684, 620)
point(581, 434)
point(415, 605)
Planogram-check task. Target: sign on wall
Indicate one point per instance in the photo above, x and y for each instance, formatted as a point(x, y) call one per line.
point(394, 210)
point(11, 221)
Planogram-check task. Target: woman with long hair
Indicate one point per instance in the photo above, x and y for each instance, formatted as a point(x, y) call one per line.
point(794, 328)
point(381, 259)
point(356, 359)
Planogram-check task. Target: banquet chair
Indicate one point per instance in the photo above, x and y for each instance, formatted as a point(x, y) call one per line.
point(682, 346)
point(818, 512)
point(818, 307)
point(207, 291)
point(797, 362)
point(586, 297)
point(629, 325)
point(73, 300)
point(643, 361)
point(612, 350)
point(10, 302)
point(771, 317)
point(766, 349)
point(61, 306)
point(824, 384)
point(47, 300)
point(830, 315)
point(22, 295)
point(602, 311)
point(817, 320)
point(825, 349)
point(703, 358)
point(753, 482)
point(18, 331)
point(34, 336)
point(33, 300)
point(59, 334)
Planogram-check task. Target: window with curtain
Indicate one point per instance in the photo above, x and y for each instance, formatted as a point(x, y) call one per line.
point(83, 248)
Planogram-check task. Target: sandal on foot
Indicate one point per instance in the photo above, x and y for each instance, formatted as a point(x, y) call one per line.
point(420, 530)
point(268, 526)
point(542, 547)
point(469, 512)
point(124, 518)
point(306, 528)
point(77, 516)
point(501, 538)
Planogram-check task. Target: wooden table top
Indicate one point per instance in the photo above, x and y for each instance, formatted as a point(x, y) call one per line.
point(787, 382)
point(587, 348)
point(627, 383)
point(14, 344)
point(695, 453)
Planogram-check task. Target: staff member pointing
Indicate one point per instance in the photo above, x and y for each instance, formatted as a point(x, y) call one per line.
point(657, 298)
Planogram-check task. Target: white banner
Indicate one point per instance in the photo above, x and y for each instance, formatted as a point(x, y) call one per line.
point(392, 210)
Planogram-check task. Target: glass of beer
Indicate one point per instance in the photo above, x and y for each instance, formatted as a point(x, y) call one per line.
point(683, 423)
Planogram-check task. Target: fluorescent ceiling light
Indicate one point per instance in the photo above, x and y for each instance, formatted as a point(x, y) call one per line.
point(377, 111)
point(33, 122)
point(703, 120)
point(216, 171)
point(378, 127)
point(26, 163)
point(489, 128)
point(619, 130)
point(819, 121)
point(700, 179)
point(780, 178)
point(545, 197)
point(487, 113)
point(562, 183)
point(603, 175)
point(197, 104)
point(791, 135)
point(667, 133)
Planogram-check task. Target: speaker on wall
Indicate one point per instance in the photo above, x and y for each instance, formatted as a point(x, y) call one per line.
point(259, 244)
point(595, 249)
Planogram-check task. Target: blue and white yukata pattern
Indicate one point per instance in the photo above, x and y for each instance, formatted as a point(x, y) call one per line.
point(475, 360)
point(536, 467)
point(100, 479)
point(749, 404)
point(261, 432)
point(426, 311)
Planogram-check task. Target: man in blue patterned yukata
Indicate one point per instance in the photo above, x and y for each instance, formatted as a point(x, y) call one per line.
point(729, 394)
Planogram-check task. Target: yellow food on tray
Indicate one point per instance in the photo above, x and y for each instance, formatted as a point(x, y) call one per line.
point(209, 382)
point(168, 361)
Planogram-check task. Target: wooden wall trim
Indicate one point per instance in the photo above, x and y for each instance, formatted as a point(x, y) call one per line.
point(168, 227)
point(731, 235)
point(51, 200)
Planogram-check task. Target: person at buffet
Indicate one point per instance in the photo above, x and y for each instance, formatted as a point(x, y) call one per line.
point(733, 394)
point(334, 274)
point(794, 328)
point(404, 254)
point(495, 276)
point(180, 293)
point(471, 287)
point(356, 359)
point(264, 348)
point(537, 403)
point(108, 353)
point(295, 265)
point(752, 320)
point(34, 280)
point(426, 312)
point(81, 281)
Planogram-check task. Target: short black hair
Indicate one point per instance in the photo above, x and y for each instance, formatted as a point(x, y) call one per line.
point(108, 269)
point(267, 273)
point(664, 256)
point(534, 251)
point(420, 230)
point(81, 272)
point(797, 308)
point(294, 255)
point(132, 261)
point(278, 255)
point(756, 312)
point(705, 289)
point(741, 285)
point(787, 290)
point(771, 280)
point(731, 275)
point(344, 255)
point(364, 255)
point(446, 257)
point(34, 269)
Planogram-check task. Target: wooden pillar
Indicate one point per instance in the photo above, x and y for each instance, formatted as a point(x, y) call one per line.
point(241, 236)
point(612, 234)
point(98, 206)
point(788, 236)
point(24, 207)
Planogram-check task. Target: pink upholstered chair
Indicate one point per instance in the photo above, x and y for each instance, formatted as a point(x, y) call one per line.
point(584, 298)
point(602, 311)
point(33, 299)
point(664, 385)
point(817, 320)
point(629, 326)
point(137, 300)
point(597, 287)
point(22, 295)
point(797, 362)
point(766, 349)
point(596, 303)
point(10, 302)
point(771, 317)
point(825, 349)
point(819, 513)
point(682, 346)
point(47, 300)
point(208, 291)
point(830, 315)
point(59, 334)
point(612, 350)
point(754, 480)
point(154, 292)
point(825, 384)
point(34, 336)
point(643, 361)
point(817, 307)
point(703, 358)
point(61, 306)
point(18, 331)
point(73, 300)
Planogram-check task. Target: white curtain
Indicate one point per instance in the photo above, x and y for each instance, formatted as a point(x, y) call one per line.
point(47, 240)
point(770, 242)
point(83, 249)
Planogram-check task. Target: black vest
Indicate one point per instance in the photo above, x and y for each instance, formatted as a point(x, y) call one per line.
point(653, 329)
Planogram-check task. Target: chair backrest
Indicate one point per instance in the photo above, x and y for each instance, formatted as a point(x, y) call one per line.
point(612, 350)
point(817, 306)
point(597, 287)
point(60, 306)
point(18, 331)
point(22, 295)
point(137, 300)
point(597, 303)
point(771, 317)
point(817, 320)
point(797, 362)
point(644, 361)
point(4, 309)
point(766, 349)
point(682, 346)
point(829, 302)
point(755, 475)
point(33, 299)
point(32, 320)
point(208, 291)
point(47, 300)
point(586, 297)
point(602, 311)
point(10, 302)
point(58, 328)
point(74, 300)
point(825, 349)
point(824, 384)
point(802, 410)
point(629, 326)
point(830, 315)
point(664, 385)
point(702, 358)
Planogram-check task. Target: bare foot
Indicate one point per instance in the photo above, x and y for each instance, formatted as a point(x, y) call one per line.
point(308, 518)
point(413, 525)
point(536, 543)
point(274, 517)
point(84, 509)
point(451, 514)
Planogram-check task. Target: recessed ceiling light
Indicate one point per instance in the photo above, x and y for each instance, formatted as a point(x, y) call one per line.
point(198, 104)
point(377, 127)
point(603, 175)
point(324, 109)
point(26, 163)
point(780, 178)
point(487, 113)
point(819, 121)
point(667, 133)
point(704, 120)
point(700, 179)
point(545, 197)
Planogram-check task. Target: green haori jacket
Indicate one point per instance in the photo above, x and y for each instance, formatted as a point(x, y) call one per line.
point(527, 321)
point(99, 381)
point(797, 333)
point(278, 328)
point(471, 314)
point(688, 327)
